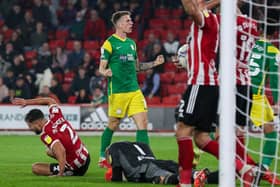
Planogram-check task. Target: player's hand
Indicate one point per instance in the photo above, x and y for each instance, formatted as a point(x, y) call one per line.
point(159, 60)
point(19, 101)
point(108, 73)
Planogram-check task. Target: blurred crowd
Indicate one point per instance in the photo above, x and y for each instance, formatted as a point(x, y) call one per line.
point(43, 45)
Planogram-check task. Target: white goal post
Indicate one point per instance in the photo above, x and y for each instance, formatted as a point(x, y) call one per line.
point(227, 93)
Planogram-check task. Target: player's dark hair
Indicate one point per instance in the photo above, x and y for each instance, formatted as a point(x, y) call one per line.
point(117, 15)
point(33, 115)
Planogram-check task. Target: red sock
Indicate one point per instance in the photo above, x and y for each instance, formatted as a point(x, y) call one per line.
point(238, 165)
point(240, 151)
point(212, 147)
point(185, 148)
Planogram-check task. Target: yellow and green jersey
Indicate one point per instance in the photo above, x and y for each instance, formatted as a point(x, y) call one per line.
point(264, 61)
point(121, 56)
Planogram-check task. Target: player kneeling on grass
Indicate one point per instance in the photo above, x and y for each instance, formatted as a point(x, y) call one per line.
point(61, 139)
point(135, 162)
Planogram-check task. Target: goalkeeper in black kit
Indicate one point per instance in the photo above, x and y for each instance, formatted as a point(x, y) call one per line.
point(135, 162)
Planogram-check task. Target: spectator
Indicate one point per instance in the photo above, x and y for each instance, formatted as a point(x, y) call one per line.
point(95, 27)
point(38, 37)
point(9, 78)
point(6, 6)
point(89, 64)
point(56, 89)
point(2, 44)
point(171, 45)
point(98, 97)
point(21, 88)
point(15, 17)
point(156, 50)
point(105, 12)
point(41, 13)
point(77, 27)
point(52, 10)
point(9, 53)
point(18, 65)
point(59, 60)
point(46, 92)
point(11, 95)
point(27, 27)
point(81, 81)
point(97, 81)
point(17, 41)
point(67, 16)
point(136, 11)
point(151, 84)
point(4, 91)
point(152, 39)
point(75, 58)
point(30, 81)
point(82, 6)
point(44, 55)
point(82, 97)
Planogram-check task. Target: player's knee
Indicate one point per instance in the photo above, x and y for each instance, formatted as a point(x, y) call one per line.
point(182, 130)
point(268, 128)
point(35, 168)
point(113, 124)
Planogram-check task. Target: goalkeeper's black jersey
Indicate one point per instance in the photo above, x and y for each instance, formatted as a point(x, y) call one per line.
point(137, 163)
point(132, 152)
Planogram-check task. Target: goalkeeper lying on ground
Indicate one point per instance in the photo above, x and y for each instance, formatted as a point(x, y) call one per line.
point(135, 162)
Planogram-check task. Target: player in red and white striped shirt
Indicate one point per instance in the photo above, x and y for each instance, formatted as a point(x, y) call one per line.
point(57, 134)
point(197, 109)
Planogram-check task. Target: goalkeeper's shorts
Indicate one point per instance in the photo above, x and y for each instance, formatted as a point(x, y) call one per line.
point(261, 111)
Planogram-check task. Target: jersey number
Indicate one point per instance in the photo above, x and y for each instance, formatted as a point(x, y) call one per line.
point(247, 45)
point(254, 67)
point(73, 136)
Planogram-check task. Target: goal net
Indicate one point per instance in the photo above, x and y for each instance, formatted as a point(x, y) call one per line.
point(257, 88)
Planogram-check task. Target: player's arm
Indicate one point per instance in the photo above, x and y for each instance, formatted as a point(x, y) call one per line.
point(106, 51)
point(60, 154)
point(107, 72)
point(192, 8)
point(37, 101)
point(148, 65)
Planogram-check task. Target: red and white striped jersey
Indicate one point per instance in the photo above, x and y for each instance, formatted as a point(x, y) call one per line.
point(247, 33)
point(201, 54)
point(59, 129)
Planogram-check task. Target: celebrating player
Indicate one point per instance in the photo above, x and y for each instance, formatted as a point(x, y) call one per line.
point(264, 62)
point(60, 138)
point(119, 63)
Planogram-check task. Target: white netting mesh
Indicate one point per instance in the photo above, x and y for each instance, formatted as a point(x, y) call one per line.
point(260, 53)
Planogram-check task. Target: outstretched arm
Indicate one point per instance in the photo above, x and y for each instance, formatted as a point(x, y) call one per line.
point(148, 65)
point(37, 101)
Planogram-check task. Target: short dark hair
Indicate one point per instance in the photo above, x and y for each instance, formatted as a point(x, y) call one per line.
point(33, 115)
point(117, 15)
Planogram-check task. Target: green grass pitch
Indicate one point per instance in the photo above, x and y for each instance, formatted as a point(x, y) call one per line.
point(19, 152)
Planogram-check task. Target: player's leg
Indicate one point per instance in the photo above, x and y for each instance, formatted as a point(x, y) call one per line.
point(242, 119)
point(117, 108)
point(141, 120)
point(106, 139)
point(185, 152)
point(39, 168)
point(269, 148)
point(138, 110)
